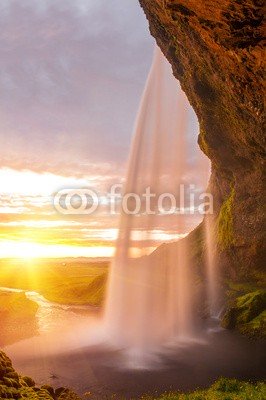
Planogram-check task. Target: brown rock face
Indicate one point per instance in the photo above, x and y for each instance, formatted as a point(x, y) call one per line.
point(215, 48)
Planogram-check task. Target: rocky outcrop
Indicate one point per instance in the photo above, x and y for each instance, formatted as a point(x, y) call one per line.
point(215, 49)
point(13, 386)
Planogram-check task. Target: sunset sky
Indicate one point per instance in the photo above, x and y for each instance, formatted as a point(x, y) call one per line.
point(72, 73)
point(71, 77)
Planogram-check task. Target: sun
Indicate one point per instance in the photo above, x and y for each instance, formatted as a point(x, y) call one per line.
point(20, 249)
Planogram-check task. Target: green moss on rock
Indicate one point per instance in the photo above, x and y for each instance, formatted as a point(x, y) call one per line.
point(202, 142)
point(247, 314)
point(28, 381)
point(225, 232)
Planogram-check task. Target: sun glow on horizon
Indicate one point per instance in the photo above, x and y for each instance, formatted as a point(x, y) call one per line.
point(28, 250)
point(26, 182)
point(31, 228)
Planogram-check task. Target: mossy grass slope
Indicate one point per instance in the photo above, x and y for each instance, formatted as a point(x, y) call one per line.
point(223, 389)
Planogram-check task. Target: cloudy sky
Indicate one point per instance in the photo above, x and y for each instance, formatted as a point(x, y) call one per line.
point(71, 78)
point(71, 75)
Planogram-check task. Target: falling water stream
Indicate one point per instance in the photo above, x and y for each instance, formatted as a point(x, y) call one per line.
point(150, 297)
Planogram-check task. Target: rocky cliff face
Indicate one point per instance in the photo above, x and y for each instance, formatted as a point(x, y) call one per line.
point(215, 49)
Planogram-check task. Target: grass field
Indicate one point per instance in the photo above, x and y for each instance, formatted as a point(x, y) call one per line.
point(67, 281)
point(17, 317)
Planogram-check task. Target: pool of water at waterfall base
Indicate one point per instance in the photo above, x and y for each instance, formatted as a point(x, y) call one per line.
point(67, 358)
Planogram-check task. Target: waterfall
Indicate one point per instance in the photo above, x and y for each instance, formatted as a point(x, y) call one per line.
point(150, 294)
